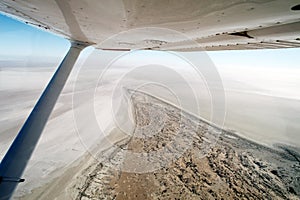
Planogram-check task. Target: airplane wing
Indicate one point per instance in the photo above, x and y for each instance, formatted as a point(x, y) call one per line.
point(177, 25)
point(211, 25)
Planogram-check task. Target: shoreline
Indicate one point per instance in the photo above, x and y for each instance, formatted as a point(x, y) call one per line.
point(249, 161)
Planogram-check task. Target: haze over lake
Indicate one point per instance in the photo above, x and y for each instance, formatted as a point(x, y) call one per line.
point(262, 104)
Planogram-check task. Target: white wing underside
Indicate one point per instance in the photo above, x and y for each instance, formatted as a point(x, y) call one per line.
point(178, 25)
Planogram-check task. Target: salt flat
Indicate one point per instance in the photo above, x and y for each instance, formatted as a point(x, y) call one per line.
point(67, 139)
point(172, 154)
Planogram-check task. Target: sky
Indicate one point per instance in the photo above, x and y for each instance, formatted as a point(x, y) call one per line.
point(21, 41)
point(273, 73)
point(18, 39)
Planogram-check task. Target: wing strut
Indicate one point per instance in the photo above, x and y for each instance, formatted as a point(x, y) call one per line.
point(19, 153)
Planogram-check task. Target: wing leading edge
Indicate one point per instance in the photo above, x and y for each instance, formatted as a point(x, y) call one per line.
point(211, 25)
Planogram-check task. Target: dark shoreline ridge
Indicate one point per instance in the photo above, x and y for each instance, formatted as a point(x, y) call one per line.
point(210, 164)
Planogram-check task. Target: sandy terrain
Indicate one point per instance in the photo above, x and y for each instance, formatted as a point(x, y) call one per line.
point(182, 158)
point(62, 152)
point(57, 150)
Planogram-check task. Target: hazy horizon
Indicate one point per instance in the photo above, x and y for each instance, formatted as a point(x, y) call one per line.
point(262, 90)
point(254, 93)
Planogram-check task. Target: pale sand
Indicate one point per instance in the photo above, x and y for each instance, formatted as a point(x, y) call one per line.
point(233, 167)
point(60, 150)
point(59, 187)
point(56, 150)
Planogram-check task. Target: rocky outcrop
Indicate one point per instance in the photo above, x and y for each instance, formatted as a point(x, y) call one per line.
point(173, 155)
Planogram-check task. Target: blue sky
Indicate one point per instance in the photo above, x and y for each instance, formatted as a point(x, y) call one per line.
point(19, 40)
point(269, 58)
